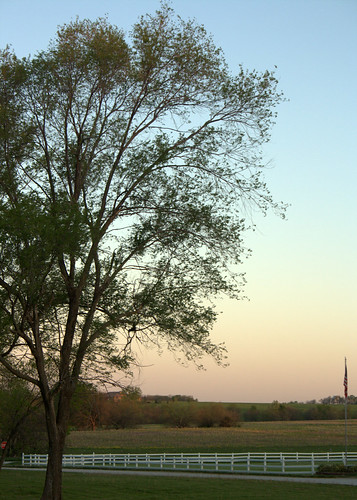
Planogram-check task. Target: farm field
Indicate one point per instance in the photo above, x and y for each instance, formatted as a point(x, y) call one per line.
point(307, 436)
point(24, 485)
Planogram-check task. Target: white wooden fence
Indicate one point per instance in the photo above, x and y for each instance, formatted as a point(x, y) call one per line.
point(264, 463)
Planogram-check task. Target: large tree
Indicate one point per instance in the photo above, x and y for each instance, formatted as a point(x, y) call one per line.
point(126, 167)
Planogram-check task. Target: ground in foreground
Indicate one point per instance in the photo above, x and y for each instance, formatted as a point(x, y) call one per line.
point(24, 485)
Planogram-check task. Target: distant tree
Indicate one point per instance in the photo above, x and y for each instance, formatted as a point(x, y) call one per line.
point(252, 414)
point(181, 414)
point(132, 392)
point(125, 414)
point(126, 168)
point(338, 400)
point(326, 401)
point(216, 414)
point(209, 415)
point(90, 408)
point(181, 397)
point(31, 435)
point(19, 408)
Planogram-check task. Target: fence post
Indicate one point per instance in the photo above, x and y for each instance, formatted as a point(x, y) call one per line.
point(265, 462)
point(312, 463)
point(283, 464)
point(248, 462)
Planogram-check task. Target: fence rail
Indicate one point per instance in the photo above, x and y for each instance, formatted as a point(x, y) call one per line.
point(264, 463)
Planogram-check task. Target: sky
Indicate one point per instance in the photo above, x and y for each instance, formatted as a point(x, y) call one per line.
point(288, 340)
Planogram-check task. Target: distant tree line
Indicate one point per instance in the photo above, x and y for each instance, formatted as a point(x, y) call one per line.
point(160, 399)
point(338, 400)
point(22, 423)
point(296, 411)
point(93, 410)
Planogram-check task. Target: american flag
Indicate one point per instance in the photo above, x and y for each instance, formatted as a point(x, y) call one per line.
point(345, 380)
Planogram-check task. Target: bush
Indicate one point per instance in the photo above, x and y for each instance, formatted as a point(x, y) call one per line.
point(125, 414)
point(336, 470)
point(181, 414)
point(217, 414)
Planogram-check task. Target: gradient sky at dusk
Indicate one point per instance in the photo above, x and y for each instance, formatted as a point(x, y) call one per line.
point(289, 340)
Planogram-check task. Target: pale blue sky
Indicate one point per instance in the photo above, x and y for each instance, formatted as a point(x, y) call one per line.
point(289, 341)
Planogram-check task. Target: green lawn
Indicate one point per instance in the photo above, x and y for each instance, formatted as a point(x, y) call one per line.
point(23, 485)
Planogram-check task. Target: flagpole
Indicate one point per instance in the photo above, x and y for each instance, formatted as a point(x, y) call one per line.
point(345, 383)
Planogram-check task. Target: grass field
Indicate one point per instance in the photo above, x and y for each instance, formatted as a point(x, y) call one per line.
point(23, 485)
point(311, 436)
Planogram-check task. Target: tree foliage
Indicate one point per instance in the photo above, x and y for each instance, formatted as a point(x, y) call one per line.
point(22, 424)
point(126, 168)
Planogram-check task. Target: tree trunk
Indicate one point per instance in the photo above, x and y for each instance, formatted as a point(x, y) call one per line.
point(56, 429)
point(53, 484)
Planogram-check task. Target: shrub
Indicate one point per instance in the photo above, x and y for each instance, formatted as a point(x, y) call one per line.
point(217, 414)
point(181, 414)
point(125, 414)
point(336, 470)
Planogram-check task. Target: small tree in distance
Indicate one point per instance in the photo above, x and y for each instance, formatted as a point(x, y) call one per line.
point(89, 408)
point(21, 417)
point(125, 171)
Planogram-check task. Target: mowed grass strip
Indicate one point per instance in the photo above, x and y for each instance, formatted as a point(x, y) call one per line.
point(24, 485)
point(312, 436)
